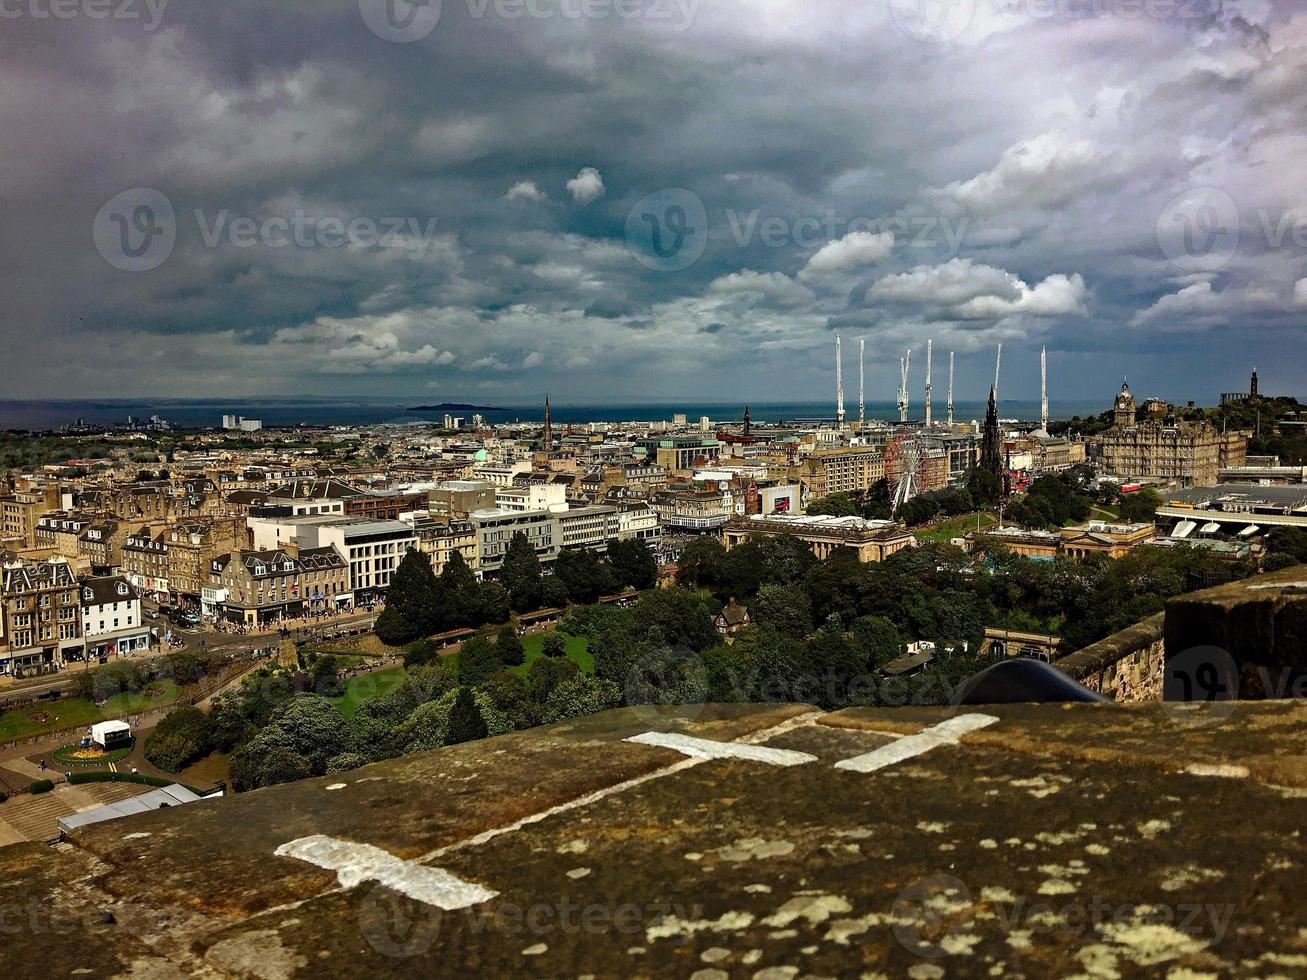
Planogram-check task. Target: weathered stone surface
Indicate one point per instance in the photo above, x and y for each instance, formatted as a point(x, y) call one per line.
point(1058, 841)
point(1261, 623)
point(1126, 666)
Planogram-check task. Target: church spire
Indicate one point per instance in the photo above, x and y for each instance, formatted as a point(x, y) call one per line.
point(549, 428)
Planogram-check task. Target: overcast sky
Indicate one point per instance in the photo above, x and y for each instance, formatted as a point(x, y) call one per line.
point(610, 199)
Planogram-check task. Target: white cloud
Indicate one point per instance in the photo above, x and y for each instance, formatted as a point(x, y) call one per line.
point(586, 186)
point(1199, 304)
point(1044, 171)
point(964, 289)
point(525, 190)
point(857, 248)
point(534, 359)
point(775, 288)
point(1300, 293)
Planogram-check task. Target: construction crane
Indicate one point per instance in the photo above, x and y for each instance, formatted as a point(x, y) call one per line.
point(905, 363)
point(950, 388)
point(862, 406)
point(930, 353)
point(839, 385)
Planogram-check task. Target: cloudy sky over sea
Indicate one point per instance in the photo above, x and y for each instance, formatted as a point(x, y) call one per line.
point(610, 199)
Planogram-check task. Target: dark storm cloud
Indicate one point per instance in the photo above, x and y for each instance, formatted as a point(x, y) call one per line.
point(454, 212)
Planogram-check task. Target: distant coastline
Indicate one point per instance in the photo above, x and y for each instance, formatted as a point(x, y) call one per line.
point(455, 407)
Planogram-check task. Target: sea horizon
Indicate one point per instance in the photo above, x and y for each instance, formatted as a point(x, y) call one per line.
point(199, 413)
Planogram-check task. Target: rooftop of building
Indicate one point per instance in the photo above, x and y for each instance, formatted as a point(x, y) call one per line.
point(1059, 840)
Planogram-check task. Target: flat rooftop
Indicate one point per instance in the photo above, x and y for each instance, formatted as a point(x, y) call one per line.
point(1293, 497)
point(725, 841)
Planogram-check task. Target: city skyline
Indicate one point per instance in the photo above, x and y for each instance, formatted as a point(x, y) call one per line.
point(292, 199)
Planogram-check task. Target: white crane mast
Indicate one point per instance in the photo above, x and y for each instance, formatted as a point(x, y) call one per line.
point(839, 385)
point(930, 353)
point(905, 364)
point(862, 406)
point(950, 388)
point(1043, 388)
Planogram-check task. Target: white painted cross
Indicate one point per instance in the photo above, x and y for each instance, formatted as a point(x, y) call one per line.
point(945, 733)
point(356, 863)
point(703, 748)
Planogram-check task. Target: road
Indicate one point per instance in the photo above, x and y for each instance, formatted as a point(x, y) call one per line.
point(195, 640)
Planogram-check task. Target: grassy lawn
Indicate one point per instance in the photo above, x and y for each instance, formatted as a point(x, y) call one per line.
point(75, 712)
point(578, 649)
point(1110, 512)
point(955, 527)
point(359, 689)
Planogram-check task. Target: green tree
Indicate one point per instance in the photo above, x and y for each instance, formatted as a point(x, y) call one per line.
point(582, 695)
point(228, 727)
point(633, 564)
point(554, 644)
point(1140, 506)
point(253, 767)
point(325, 677)
point(784, 608)
point(700, 562)
point(182, 737)
point(414, 602)
point(985, 488)
point(308, 726)
point(582, 575)
point(520, 574)
point(462, 593)
point(509, 647)
point(496, 604)
point(877, 639)
point(833, 505)
point(466, 723)
point(546, 673)
point(477, 660)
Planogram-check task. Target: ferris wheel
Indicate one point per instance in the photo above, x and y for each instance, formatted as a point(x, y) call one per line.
point(905, 459)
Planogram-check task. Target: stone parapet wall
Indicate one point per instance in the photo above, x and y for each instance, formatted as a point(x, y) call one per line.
point(1127, 666)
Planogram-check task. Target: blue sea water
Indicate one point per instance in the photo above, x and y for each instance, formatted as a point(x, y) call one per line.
point(191, 413)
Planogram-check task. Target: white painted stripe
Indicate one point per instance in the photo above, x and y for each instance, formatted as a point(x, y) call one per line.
point(703, 748)
point(945, 733)
point(356, 863)
point(1218, 769)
